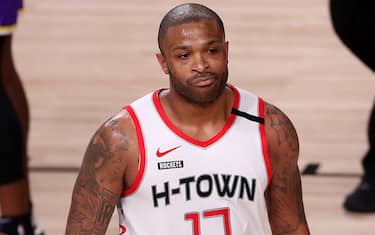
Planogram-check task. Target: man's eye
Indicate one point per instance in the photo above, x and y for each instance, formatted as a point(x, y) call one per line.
point(184, 56)
point(212, 50)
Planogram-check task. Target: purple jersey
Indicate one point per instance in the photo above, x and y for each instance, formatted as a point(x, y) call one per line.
point(8, 15)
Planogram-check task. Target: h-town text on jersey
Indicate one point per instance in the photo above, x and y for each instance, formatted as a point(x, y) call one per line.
point(204, 186)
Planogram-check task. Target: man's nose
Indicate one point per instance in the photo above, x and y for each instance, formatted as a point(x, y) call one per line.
point(200, 63)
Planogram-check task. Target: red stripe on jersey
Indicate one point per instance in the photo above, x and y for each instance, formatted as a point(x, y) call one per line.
point(188, 138)
point(264, 142)
point(122, 229)
point(141, 146)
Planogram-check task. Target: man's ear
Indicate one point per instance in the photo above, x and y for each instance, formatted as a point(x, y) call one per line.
point(226, 47)
point(163, 63)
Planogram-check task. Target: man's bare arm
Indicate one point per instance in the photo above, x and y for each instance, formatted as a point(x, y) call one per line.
point(284, 195)
point(100, 181)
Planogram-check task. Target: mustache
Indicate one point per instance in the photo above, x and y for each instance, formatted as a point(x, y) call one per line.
point(205, 74)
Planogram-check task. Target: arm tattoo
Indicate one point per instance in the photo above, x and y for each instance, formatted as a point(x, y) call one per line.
point(284, 196)
point(283, 128)
point(105, 211)
point(92, 201)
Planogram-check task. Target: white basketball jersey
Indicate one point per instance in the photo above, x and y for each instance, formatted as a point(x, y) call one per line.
point(189, 187)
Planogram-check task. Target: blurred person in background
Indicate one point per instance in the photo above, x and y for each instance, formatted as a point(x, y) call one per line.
point(15, 203)
point(354, 23)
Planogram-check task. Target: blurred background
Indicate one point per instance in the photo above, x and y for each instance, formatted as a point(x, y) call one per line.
point(82, 61)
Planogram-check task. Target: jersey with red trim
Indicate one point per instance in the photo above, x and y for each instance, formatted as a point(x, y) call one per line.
point(189, 187)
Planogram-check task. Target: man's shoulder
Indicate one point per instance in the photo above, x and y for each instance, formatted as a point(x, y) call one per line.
point(280, 131)
point(145, 99)
point(123, 118)
point(243, 91)
point(274, 112)
point(117, 125)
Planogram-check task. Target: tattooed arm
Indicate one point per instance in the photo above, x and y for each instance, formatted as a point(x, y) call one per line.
point(284, 195)
point(101, 179)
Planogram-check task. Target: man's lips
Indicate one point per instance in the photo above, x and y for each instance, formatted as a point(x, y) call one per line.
point(204, 80)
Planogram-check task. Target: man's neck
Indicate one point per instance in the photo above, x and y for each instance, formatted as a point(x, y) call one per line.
point(198, 121)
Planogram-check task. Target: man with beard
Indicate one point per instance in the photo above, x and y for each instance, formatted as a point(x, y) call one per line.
point(201, 157)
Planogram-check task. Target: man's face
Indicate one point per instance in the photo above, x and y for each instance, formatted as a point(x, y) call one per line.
point(196, 58)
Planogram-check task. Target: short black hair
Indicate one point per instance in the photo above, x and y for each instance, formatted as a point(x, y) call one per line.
point(187, 13)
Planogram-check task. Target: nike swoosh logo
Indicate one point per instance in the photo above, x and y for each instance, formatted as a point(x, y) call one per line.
point(161, 154)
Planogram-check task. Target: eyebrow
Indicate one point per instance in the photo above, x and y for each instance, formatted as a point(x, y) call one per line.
point(179, 47)
point(184, 47)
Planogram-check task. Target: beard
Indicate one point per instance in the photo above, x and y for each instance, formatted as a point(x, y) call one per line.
point(200, 96)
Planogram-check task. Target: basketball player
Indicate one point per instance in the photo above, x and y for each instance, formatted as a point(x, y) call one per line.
point(200, 157)
point(15, 206)
point(354, 23)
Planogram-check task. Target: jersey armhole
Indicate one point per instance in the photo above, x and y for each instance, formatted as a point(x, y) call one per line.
point(142, 152)
point(264, 142)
